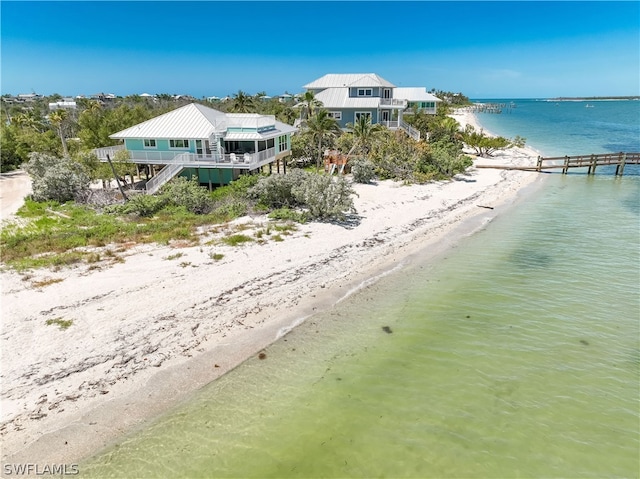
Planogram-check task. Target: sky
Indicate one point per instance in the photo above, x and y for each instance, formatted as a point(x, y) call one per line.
point(501, 49)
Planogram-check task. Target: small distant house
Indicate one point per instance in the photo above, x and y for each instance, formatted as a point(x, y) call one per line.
point(350, 96)
point(28, 97)
point(103, 98)
point(285, 97)
point(197, 140)
point(64, 104)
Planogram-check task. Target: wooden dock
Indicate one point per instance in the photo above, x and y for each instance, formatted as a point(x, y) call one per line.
point(565, 163)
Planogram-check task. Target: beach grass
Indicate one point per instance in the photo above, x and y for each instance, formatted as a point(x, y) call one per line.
point(51, 234)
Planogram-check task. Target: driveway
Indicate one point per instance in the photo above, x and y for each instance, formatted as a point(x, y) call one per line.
point(14, 186)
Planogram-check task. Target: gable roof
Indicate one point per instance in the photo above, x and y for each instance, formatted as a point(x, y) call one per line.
point(190, 121)
point(340, 80)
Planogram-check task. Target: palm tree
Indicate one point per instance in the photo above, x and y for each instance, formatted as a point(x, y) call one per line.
point(320, 127)
point(27, 120)
point(287, 115)
point(57, 119)
point(242, 103)
point(364, 133)
point(309, 104)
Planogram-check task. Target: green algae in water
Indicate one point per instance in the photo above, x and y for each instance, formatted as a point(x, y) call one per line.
point(486, 374)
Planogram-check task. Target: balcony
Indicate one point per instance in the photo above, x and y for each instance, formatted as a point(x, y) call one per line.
point(392, 125)
point(393, 102)
point(248, 161)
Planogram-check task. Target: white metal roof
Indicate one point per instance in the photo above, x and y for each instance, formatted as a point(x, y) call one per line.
point(341, 80)
point(339, 98)
point(190, 121)
point(414, 94)
point(198, 121)
point(280, 129)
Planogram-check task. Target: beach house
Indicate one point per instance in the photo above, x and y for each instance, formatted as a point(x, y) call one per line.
point(349, 96)
point(197, 140)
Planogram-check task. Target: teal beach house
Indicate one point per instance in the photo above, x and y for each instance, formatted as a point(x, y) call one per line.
point(350, 96)
point(196, 140)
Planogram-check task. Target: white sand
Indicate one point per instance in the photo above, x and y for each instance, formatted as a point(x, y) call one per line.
point(14, 186)
point(148, 331)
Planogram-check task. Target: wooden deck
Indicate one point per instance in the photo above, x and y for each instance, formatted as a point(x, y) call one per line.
point(565, 163)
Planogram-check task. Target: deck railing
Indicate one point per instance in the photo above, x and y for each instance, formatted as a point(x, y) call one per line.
point(245, 161)
point(228, 160)
point(168, 172)
point(411, 131)
point(392, 102)
point(102, 153)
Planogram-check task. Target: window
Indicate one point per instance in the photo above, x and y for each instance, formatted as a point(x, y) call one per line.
point(150, 143)
point(282, 143)
point(178, 143)
point(336, 115)
point(365, 91)
point(360, 114)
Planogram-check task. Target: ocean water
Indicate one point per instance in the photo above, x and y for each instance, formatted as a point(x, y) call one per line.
point(515, 354)
point(569, 127)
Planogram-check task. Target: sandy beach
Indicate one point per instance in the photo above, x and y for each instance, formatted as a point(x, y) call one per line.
point(151, 329)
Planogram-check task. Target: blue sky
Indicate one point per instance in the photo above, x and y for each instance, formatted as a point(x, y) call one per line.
point(483, 49)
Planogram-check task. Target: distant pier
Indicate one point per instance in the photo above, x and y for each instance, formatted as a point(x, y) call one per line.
point(488, 108)
point(565, 163)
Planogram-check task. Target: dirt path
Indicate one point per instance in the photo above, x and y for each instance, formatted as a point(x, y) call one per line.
point(14, 186)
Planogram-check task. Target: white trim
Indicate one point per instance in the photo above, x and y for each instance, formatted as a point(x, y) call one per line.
point(364, 91)
point(355, 115)
point(336, 115)
point(155, 144)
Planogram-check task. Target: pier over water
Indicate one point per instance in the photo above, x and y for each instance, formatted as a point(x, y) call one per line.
point(591, 162)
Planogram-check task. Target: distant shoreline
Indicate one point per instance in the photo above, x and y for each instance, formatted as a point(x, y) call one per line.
point(594, 98)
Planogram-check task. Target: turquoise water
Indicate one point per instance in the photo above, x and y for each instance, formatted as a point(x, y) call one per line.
point(517, 354)
point(569, 127)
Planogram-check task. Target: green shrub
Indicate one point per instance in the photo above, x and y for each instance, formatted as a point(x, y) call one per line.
point(56, 179)
point(143, 205)
point(363, 170)
point(288, 214)
point(187, 193)
point(324, 197)
point(231, 208)
point(275, 191)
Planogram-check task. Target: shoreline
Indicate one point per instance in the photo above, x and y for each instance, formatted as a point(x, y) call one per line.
point(150, 332)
